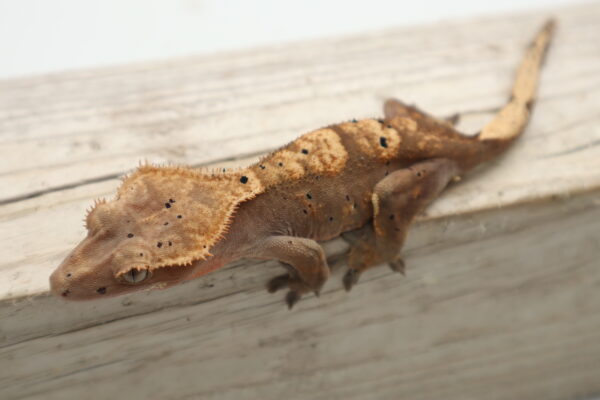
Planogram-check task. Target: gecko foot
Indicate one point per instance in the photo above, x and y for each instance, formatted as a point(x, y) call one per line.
point(297, 288)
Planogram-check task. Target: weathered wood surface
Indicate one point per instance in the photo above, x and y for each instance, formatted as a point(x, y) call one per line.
point(502, 297)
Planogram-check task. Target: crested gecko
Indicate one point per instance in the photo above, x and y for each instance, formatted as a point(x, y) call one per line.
point(370, 177)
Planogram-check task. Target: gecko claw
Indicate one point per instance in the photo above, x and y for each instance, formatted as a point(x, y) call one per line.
point(398, 266)
point(292, 298)
point(350, 279)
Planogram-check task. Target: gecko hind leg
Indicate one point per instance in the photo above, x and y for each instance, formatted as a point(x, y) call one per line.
point(303, 258)
point(393, 108)
point(397, 199)
point(363, 255)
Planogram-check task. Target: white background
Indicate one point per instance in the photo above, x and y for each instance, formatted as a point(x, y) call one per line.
point(39, 36)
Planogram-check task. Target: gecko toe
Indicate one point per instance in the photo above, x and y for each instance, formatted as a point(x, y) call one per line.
point(398, 266)
point(351, 278)
point(292, 298)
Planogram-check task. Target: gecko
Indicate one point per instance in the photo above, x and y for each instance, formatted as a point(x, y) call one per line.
point(363, 180)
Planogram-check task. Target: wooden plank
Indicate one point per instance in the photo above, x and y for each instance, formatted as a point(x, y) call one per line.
point(513, 314)
point(502, 293)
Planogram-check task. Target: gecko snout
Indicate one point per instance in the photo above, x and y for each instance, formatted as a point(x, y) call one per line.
point(58, 282)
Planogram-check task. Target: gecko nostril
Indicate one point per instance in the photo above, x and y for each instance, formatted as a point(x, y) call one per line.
point(101, 290)
point(69, 275)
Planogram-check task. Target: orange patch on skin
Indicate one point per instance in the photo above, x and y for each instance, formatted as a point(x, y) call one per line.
point(408, 124)
point(318, 153)
point(374, 139)
point(322, 151)
point(416, 192)
point(282, 166)
point(347, 210)
point(197, 206)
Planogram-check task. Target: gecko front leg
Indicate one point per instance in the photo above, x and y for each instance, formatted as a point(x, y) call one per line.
point(305, 259)
point(397, 199)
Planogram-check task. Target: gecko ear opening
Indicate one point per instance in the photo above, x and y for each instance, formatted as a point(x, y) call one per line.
point(134, 275)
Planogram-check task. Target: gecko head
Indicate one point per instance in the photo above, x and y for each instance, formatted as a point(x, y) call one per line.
point(158, 231)
point(116, 257)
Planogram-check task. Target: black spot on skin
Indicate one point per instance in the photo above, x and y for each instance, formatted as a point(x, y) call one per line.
point(304, 151)
point(159, 244)
point(280, 164)
point(354, 120)
point(347, 198)
point(166, 223)
point(330, 219)
point(383, 142)
point(392, 216)
point(355, 205)
point(308, 196)
point(380, 120)
point(168, 205)
point(305, 212)
point(141, 254)
point(419, 174)
point(69, 275)
point(130, 235)
point(101, 290)
point(262, 166)
point(171, 201)
point(170, 244)
point(179, 216)
point(224, 169)
point(244, 179)
point(389, 126)
point(204, 246)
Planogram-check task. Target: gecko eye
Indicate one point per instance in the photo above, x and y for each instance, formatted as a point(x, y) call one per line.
point(135, 276)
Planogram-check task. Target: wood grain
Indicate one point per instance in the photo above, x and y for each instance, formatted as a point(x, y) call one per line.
point(502, 295)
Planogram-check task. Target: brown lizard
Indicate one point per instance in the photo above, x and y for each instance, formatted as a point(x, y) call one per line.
point(171, 224)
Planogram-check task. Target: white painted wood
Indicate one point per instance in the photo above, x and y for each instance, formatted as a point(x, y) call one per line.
point(501, 298)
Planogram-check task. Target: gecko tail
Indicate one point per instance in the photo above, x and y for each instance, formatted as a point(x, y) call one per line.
point(512, 119)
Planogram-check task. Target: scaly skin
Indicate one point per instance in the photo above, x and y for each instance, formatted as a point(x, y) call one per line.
point(365, 179)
